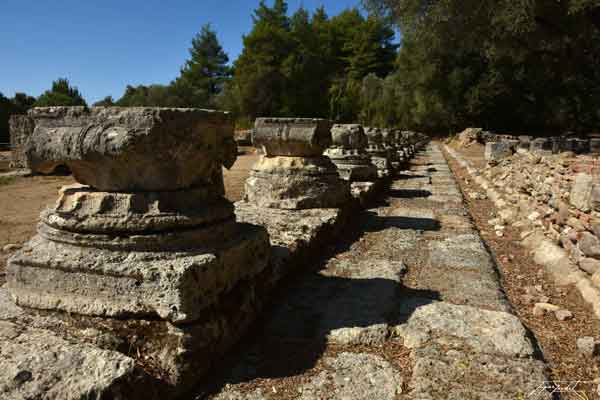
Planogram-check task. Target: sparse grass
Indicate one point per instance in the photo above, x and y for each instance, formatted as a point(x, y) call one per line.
point(7, 180)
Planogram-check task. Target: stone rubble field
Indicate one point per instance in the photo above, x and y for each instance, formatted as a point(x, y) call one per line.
point(534, 201)
point(349, 267)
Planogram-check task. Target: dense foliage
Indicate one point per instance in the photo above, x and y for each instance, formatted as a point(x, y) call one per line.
point(307, 65)
point(17, 105)
point(61, 94)
point(518, 64)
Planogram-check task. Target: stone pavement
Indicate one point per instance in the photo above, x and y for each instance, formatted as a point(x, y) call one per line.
point(409, 306)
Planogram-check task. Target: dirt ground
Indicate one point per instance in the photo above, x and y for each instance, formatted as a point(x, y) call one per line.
point(23, 198)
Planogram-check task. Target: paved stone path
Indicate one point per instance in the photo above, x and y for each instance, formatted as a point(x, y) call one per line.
point(410, 308)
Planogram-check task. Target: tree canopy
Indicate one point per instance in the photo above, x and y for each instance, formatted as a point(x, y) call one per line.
point(528, 65)
point(204, 74)
point(520, 64)
point(199, 83)
point(19, 104)
point(307, 65)
point(61, 94)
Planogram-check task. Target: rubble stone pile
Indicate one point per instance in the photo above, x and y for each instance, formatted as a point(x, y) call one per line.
point(554, 199)
point(502, 147)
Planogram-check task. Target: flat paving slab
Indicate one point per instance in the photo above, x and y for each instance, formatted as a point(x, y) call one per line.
point(408, 306)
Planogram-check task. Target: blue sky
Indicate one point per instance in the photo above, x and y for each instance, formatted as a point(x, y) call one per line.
point(102, 46)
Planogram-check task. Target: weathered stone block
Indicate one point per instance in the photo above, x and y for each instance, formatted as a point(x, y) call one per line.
point(540, 145)
point(380, 157)
point(37, 364)
point(82, 209)
point(176, 286)
point(349, 136)
point(589, 245)
point(581, 192)
point(21, 128)
point(524, 142)
point(495, 151)
point(299, 137)
point(595, 197)
point(349, 155)
point(293, 173)
point(133, 149)
point(296, 183)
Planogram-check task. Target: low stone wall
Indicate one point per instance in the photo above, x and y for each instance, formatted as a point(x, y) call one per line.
point(554, 199)
point(503, 147)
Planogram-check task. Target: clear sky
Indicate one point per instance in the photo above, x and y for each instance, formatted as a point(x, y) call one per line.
point(102, 46)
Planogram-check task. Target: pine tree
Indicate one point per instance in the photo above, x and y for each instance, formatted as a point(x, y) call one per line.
point(105, 102)
point(259, 71)
point(205, 73)
point(306, 69)
point(61, 94)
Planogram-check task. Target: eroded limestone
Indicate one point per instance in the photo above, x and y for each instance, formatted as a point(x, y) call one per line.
point(293, 173)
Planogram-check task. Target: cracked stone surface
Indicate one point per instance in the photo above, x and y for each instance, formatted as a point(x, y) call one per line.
point(415, 276)
point(354, 376)
point(35, 361)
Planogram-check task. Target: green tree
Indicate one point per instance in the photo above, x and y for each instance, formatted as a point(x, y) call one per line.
point(306, 68)
point(151, 96)
point(259, 71)
point(22, 102)
point(19, 104)
point(523, 64)
point(307, 65)
point(203, 76)
point(360, 46)
point(61, 94)
point(108, 101)
point(6, 109)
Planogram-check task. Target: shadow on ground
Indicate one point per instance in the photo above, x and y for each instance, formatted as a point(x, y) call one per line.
point(409, 193)
point(342, 288)
point(377, 223)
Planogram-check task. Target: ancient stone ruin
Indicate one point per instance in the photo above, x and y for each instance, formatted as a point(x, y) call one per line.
point(391, 146)
point(379, 155)
point(401, 147)
point(349, 155)
point(21, 128)
point(143, 276)
point(146, 237)
point(293, 173)
point(552, 196)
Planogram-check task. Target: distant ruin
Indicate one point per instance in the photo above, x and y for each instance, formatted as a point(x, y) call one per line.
point(21, 128)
